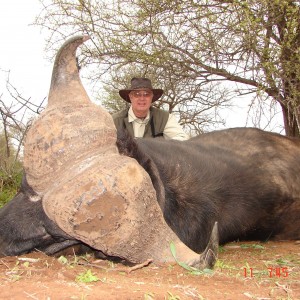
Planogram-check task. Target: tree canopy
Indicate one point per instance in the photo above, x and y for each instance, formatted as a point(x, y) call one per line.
point(202, 52)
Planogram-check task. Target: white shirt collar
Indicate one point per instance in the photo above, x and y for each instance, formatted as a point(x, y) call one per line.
point(133, 118)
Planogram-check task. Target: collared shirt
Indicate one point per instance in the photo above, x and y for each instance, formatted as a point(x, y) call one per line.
point(172, 129)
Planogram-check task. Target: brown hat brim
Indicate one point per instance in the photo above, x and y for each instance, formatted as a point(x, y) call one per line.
point(157, 93)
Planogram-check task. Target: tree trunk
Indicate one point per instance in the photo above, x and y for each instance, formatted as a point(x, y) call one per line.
point(291, 119)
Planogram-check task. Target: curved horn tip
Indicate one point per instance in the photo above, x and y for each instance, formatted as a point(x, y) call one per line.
point(81, 38)
point(65, 67)
point(73, 41)
point(209, 256)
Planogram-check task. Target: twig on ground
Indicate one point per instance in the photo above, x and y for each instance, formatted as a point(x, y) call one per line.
point(122, 269)
point(139, 266)
point(31, 296)
point(3, 263)
point(284, 287)
point(28, 259)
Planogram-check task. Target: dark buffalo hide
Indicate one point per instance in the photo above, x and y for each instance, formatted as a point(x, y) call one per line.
point(246, 179)
point(24, 227)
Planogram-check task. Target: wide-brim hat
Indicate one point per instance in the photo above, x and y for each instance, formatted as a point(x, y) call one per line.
point(139, 84)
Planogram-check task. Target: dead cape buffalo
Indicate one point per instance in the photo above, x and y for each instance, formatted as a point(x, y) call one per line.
point(132, 198)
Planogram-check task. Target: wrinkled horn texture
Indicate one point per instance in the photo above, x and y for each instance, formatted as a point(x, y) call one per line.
point(88, 189)
point(69, 128)
point(110, 204)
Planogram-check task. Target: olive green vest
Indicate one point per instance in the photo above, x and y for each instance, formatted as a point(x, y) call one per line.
point(154, 128)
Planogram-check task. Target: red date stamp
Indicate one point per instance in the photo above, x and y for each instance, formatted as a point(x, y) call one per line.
point(272, 272)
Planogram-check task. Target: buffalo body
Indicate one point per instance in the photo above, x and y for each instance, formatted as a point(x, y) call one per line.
point(246, 179)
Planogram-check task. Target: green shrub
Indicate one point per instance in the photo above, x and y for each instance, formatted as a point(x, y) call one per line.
point(10, 169)
point(9, 184)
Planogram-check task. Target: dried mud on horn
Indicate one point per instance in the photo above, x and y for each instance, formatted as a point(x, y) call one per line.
point(88, 189)
point(71, 126)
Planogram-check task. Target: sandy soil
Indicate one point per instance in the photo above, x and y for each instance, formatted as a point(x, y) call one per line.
point(244, 271)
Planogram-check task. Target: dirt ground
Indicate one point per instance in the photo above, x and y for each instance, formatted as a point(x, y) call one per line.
point(243, 271)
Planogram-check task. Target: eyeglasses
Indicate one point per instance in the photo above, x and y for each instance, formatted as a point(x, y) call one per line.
point(137, 94)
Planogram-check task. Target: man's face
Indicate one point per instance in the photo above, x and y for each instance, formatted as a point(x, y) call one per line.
point(141, 101)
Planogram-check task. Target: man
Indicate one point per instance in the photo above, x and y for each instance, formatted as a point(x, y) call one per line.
point(141, 119)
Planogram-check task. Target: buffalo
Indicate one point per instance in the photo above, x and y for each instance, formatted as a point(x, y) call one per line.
point(86, 184)
point(246, 179)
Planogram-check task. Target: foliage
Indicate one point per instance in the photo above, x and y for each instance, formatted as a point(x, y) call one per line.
point(193, 47)
point(87, 277)
point(10, 169)
point(63, 260)
point(9, 185)
point(10, 172)
point(113, 61)
point(15, 111)
point(254, 246)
